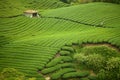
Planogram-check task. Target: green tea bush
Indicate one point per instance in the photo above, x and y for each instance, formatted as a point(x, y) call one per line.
point(4, 40)
point(51, 69)
point(66, 48)
point(76, 74)
point(61, 72)
point(57, 67)
point(84, 79)
point(54, 62)
point(33, 42)
point(92, 77)
point(64, 53)
point(60, 59)
point(67, 58)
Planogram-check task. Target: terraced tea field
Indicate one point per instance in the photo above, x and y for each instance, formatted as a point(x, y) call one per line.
point(13, 7)
point(44, 47)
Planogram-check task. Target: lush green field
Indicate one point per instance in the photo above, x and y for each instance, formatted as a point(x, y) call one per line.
point(31, 44)
point(98, 14)
point(17, 7)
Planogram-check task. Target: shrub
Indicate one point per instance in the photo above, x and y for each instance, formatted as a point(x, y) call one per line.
point(66, 48)
point(61, 72)
point(84, 79)
point(103, 50)
point(54, 62)
point(111, 70)
point(64, 53)
point(66, 58)
point(14, 74)
point(11, 74)
point(49, 70)
point(92, 77)
point(76, 74)
point(57, 67)
point(94, 61)
point(80, 58)
point(60, 59)
point(32, 79)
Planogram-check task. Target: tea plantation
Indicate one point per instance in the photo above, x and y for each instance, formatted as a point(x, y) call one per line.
point(51, 47)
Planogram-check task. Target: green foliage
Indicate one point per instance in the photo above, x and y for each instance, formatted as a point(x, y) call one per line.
point(98, 16)
point(35, 41)
point(64, 53)
point(92, 77)
point(13, 74)
point(93, 61)
point(66, 1)
point(59, 73)
point(32, 79)
point(57, 67)
point(97, 60)
point(84, 79)
point(112, 69)
point(11, 8)
point(106, 66)
point(111, 1)
point(17, 7)
point(103, 50)
point(58, 60)
point(67, 48)
point(76, 75)
point(86, 1)
point(3, 40)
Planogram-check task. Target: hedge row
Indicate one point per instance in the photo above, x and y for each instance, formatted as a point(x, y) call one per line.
point(66, 48)
point(57, 67)
point(61, 72)
point(60, 59)
point(64, 53)
point(76, 74)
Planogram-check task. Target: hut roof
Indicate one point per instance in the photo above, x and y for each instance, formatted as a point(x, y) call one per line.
point(30, 11)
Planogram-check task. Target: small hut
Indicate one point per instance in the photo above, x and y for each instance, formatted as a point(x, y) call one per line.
point(31, 13)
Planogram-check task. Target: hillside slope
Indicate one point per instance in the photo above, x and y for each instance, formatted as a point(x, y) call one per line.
point(98, 14)
point(10, 8)
point(30, 43)
point(17, 7)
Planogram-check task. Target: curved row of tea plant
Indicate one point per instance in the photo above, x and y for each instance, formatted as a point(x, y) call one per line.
point(28, 44)
point(63, 67)
point(12, 7)
point(101, 14)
